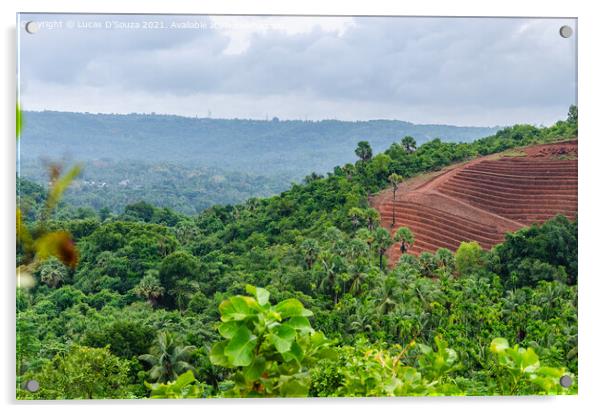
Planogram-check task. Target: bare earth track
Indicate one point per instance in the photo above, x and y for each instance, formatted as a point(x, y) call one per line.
point(482, 199)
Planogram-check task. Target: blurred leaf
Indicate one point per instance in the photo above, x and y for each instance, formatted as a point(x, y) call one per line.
point(23, 234)
point(60, 185)
point(261, 294)
point(19, 121)
point(291, 307)
point(58, 244)
point(498, 345)
point(238, 308)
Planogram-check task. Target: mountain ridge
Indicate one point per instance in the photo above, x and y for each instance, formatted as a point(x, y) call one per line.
point(257, 146)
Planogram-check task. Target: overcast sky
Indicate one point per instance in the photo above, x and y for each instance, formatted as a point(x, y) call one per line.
point(424, 70)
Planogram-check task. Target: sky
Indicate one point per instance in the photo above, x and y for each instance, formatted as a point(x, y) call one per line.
point(459, 71)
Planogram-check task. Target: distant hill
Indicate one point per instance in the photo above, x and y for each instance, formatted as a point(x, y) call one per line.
point(252, 146)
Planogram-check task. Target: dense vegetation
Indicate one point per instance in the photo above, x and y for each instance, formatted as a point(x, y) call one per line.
point(112, 185)
point(291, 296)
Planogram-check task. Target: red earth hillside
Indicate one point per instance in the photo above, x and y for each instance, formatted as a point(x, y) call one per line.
point(482, 199)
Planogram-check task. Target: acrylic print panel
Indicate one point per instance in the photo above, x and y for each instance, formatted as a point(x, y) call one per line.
point(296, 206)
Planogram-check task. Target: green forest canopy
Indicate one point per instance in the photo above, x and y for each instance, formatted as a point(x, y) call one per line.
point(163, 304)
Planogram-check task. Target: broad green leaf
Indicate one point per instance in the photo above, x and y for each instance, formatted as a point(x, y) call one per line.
point(283, 337)
point(498, 345)
point(238, 308)
point(295, 353)
point(319, 339)
point(262, 295)
point(217, 356)
point(254, 371)
point(294, 386)
point(299, 323)
point(291, 307)
point(229, 328)
point(239, 349)
point(184, 380)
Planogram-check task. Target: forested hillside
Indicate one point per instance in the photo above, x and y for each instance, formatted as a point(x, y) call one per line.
point(291, 295)
point(189, 189)
point(293, 147)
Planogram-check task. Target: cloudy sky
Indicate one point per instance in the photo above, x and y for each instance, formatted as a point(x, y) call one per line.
point(425, 70)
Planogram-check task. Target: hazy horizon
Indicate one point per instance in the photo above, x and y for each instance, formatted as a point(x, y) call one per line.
point(271, 118)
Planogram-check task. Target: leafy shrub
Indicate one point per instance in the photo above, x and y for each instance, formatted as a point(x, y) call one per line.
point(270, 347)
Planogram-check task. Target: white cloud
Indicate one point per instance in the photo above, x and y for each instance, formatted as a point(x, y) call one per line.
point(459, 71)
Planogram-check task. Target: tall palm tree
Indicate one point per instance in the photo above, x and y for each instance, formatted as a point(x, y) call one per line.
point(358, 275)
point(332, 265)
point(373, 218)
point(383, 241)
point(394, 180)
point(310, 250)
point(387, 295)
point(167, 359)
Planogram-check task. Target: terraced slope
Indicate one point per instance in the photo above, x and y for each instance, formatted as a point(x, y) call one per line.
point(483, 199)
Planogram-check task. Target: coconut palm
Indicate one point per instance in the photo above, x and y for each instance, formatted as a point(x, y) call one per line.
point(167, 358)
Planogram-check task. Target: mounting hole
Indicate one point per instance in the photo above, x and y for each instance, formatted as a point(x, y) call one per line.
point(566, 31)
point(566, 381)
point(32, 27)
point(32, 386)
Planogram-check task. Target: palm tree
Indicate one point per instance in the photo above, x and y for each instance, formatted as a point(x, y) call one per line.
point(357, 248)
point(395, 180)
point(383, 241)
point(361, 321)
point(364, 151)
point(356, 215)
point(387, 295)
point(332, 265)
point(406, 237)
point(167, 359)
point(310, 250)
point(373, 218)
point(409, 144)
point(359, 275)
point(444, 258)
point(150, 287)
point(53, 272)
